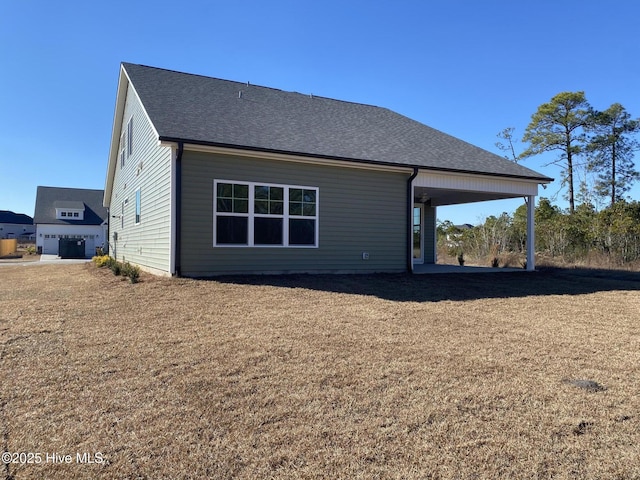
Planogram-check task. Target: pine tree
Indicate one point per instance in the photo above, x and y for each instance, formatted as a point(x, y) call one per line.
point(611, 150)
point(559, 125)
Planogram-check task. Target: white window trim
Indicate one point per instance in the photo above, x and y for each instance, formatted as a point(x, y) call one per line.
point(251, 215)
point(130, 137)
point(122, 150)
point(69, 214)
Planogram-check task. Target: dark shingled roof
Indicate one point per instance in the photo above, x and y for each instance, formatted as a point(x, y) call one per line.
point(210, 111)
point(7, 216)
point(68, 204)
point(48, 198)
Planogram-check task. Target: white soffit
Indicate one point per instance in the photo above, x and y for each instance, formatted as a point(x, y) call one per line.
point(476, 183)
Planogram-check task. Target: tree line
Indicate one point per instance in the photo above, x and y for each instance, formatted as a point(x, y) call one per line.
point(588, 143)
point(609, 237)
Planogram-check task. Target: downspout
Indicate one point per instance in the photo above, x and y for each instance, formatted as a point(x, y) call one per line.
point(410, 220)
point(178, 207)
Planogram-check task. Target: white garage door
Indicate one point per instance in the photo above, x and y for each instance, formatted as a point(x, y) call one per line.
point(90, 245)
point(50, 244)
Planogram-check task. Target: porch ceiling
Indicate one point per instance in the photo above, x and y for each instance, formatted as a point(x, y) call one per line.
point(440, 196)
point(452, 188)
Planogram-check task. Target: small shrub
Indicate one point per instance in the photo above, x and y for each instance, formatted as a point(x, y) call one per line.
point(511, 259)
point(461, 259)
point(31, 250)
point(495, 263)
point(101, 260)
point(115, 266)
point(131, 271)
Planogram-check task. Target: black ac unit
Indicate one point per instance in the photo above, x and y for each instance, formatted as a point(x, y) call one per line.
point(71, 248)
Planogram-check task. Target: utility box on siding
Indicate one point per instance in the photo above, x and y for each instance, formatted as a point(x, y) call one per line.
point(71, 248)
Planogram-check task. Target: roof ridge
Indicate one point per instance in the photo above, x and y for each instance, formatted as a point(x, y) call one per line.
point(200, 109)
point(72, 188)
point(202, 76)
point(249, 84)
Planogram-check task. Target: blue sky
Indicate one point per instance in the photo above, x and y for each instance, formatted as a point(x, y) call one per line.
point(465, 67)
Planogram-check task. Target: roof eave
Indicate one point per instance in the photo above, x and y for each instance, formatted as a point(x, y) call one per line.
point(121, 96)
point(186, 142)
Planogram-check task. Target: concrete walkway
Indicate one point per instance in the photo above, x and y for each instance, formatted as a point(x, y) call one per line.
point(48, 258)
point(44, 260)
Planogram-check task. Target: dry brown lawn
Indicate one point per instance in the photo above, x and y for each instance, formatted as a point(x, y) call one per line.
point(345, 377)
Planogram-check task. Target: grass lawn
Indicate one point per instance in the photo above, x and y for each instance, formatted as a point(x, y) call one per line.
point(345, 377)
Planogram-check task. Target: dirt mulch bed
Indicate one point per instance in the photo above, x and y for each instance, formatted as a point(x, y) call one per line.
point(388, 376)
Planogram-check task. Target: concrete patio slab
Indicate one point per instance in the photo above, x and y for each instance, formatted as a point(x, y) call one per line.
point(438, 268)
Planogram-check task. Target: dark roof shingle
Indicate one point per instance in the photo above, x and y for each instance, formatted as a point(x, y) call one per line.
point(48, 198)
point(207, 110)
point(7, 216)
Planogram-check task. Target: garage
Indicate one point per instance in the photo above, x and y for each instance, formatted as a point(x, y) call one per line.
point(51, 243)
point(70, 213)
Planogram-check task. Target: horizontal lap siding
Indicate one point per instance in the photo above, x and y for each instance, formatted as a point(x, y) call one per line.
point(149, 243)
point(359, 211)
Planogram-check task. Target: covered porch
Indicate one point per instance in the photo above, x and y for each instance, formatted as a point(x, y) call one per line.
point(430, 190)
point(433, 268)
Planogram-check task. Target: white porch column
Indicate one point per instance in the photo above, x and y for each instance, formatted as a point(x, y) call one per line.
point(531, 237)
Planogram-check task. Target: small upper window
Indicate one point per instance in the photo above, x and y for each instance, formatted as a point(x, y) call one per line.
point(137, 206)
point(122, 149)
point(69, 214)
point(130, 137)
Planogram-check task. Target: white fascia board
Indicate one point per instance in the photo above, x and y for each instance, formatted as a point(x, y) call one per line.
point(124, 82)
point(289, 157)
point(424, 171)
point(121, 96)
point(477, 183)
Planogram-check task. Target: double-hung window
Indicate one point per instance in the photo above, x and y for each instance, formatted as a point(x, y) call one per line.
point(232, 214)
point(255, 214)
point(268, 211)
point(303, 216)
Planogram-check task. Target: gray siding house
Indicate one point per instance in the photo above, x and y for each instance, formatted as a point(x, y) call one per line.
point(15, 225)
point(208, 177)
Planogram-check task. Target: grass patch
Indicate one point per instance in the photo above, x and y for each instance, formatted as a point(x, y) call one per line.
point(389, 376)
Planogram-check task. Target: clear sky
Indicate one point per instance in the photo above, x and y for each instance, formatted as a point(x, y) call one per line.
point(466, 67)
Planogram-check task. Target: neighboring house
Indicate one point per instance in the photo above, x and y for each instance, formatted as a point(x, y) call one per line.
point(15, 225)
point(208, 177)
point(69, 213)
